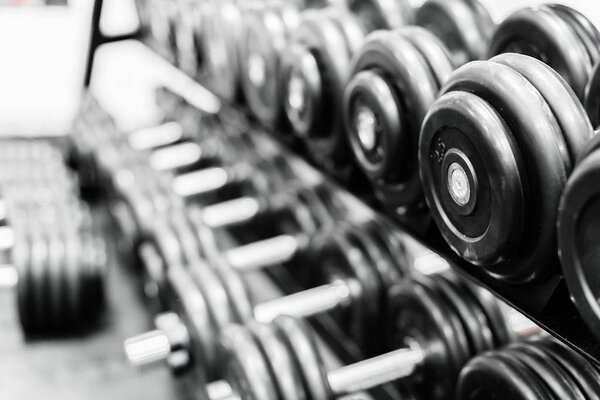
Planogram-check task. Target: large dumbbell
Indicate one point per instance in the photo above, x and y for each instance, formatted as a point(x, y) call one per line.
point(556, 34)
point(577, 229)
point(540, 369)
point(495, 153)
point(354, 270)
point(434, 330)
point(396, 77)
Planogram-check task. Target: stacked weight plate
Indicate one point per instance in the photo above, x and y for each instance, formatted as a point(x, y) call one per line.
point(49, 243)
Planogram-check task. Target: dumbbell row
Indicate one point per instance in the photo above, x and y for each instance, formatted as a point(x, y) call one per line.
point(322, 299)
point(310, 207)
point(415, 314)
point(532, 369)
point(373, 130)
point(348, 273)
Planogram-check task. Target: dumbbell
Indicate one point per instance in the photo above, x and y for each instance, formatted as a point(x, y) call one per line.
point(577, 230)
point(432, 324)
point(354, 268)
point(314, 71)
point(396, 77)
point(495, 153)
point(540, 369)
point(560, 36)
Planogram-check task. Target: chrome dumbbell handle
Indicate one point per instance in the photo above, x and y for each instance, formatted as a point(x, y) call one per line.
point(307, 302)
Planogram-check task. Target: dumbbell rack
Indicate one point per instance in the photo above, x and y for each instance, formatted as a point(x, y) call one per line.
point(547, 303)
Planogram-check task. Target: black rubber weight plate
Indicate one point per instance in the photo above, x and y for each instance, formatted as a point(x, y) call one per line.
point(546, 368)
point(581, 370)
point(246, 368)
point(500, 377)
point(297, 336)
point(417, 312)
point(281, 363)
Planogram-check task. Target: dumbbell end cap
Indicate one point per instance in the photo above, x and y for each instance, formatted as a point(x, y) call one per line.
point(147, 349)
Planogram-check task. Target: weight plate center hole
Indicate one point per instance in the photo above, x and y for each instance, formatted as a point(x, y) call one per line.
point(366, 127)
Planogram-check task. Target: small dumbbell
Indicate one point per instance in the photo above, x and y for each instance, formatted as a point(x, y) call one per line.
point(540, 369)
point(495, 153)
point(556, 34)
point(435, 334)
point(396, 77)
point(577, 229)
